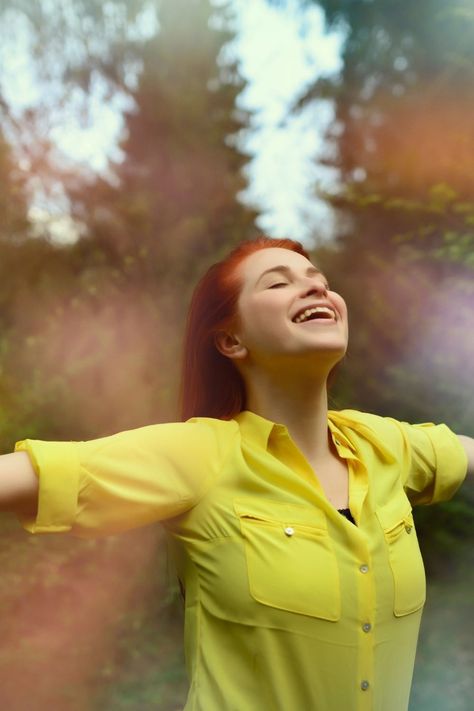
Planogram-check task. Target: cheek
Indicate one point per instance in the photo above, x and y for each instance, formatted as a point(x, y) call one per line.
point(260, 317)
point(341, 305)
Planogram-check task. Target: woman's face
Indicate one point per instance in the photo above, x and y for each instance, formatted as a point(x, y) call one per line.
point(278, 286)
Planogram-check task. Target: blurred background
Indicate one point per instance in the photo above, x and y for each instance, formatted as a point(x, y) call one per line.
point(139, 142)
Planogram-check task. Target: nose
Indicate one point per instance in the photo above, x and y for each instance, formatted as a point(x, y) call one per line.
point(314, 287)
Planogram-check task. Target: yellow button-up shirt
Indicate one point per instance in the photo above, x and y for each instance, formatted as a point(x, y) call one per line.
point(289, 605)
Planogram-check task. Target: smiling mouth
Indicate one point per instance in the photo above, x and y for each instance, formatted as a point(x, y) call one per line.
point(316, 314)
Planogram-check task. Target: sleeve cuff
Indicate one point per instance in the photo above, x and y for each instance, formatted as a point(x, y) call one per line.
point(57, 466)
point(451, 462)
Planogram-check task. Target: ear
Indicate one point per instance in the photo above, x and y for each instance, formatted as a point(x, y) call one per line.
point(230, 345)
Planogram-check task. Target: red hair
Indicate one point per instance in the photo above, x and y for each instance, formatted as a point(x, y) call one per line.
point(211, 385)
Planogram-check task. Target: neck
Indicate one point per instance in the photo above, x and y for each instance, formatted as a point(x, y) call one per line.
point(299, 403)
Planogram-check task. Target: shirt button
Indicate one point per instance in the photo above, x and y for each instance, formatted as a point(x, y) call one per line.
point(364, 568)
point(366, 626)
point(289, 531)
point(364, 684)
point(408, 528)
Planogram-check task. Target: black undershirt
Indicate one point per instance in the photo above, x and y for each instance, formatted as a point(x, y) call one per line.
point(347, 514)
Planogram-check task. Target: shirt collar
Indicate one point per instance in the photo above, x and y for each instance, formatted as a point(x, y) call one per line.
point(258, 429)
point(351, 420)
point(254, 427)
point(337, 434)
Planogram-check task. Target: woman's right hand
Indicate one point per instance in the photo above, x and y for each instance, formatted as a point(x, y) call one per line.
point(19, 484)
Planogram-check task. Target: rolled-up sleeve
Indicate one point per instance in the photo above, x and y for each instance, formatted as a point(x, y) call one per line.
point(434, 462)
point(125, 480)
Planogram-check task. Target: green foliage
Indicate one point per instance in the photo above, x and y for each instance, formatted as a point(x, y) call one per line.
point(404, 254)
point(442, 677)
point(90, 326)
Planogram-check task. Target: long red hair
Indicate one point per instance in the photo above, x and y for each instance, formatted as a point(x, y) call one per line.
point(211, 385)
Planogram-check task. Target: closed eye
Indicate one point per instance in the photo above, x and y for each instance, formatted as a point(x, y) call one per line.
point(280, 283)
point(284, 283)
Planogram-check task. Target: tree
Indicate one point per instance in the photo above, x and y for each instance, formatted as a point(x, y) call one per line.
point(172, 209)
point(165, 211)
point(401, 141)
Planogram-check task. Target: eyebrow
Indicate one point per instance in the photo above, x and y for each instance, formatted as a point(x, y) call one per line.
point(286, 270)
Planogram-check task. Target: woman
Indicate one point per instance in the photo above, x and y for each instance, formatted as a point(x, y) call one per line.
point(291, 525)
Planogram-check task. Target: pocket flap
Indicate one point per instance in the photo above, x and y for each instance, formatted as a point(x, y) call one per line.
point(281, 512)
point(394, 512)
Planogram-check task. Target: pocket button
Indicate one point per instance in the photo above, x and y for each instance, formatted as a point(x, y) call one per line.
point(289, 531)
point(408, 528)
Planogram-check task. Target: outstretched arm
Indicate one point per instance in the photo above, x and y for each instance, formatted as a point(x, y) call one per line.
point(117, 482)
point(468, 444)
point(18, 484)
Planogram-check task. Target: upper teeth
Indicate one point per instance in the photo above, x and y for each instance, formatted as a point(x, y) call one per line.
point(304, 315)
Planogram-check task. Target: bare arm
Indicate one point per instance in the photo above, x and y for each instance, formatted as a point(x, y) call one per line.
point(468, 444)
point(18, 484)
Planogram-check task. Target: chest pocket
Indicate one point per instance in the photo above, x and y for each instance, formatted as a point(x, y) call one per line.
point(290, 559)
point(408, 571)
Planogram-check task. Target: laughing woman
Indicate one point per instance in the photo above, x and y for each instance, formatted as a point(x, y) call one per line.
point(291, 524)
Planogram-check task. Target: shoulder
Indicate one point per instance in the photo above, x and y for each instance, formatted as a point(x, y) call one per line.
point(195, 427)
point(222, 433)
point(396, 435)
point(384, 433)
point(189, 441)
point(357, 419)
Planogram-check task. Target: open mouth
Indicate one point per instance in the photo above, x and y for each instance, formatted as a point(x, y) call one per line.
point(319, 314)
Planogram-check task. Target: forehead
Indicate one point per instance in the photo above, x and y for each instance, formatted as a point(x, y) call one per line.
point(258, 262)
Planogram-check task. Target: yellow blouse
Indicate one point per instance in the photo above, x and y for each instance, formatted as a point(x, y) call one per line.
point(289, 605)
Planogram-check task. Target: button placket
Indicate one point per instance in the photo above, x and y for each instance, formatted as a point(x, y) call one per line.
point(366, 596)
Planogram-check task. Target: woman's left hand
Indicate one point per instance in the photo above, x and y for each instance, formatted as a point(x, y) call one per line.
point(468, 444)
